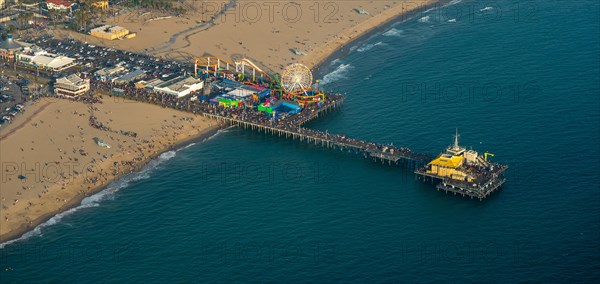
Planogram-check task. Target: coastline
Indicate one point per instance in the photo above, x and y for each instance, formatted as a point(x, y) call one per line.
point(17, 232)
point(343, 50)
point(315, 34)
point(77, 199)
point(365, 30)
point(339, 49)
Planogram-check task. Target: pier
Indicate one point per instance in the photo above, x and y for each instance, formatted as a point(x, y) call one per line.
point(292, 127)
point(377, 152)
point(468, 178)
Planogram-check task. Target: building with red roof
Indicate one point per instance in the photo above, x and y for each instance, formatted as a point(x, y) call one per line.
point(60, 5)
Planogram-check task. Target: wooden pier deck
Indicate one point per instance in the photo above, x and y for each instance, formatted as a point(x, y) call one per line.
point(291, 127)
point(377, 152)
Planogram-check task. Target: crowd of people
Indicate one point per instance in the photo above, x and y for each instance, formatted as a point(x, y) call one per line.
point(289, 123)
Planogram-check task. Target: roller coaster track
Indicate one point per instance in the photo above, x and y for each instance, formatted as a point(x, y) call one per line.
point(212, 63)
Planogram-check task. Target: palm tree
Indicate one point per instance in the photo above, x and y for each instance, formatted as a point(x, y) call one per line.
point(53, 14)
point(82, 16)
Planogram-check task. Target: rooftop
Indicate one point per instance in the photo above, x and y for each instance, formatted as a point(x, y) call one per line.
point(109, 70)
point(10, 44)
point(132, 75)
point(448, 161)
point(43, 58)
point(180, 83)
point(61, 3)
point(72, 79)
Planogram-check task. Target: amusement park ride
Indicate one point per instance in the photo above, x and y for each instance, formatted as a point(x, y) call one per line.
point(294, 83)
point(280, 96)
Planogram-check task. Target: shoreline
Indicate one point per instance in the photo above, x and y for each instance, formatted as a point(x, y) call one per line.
point(18, 233)
point(344, 49)
point(320, 64)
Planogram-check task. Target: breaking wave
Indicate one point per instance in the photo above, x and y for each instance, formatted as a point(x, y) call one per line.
point(95, 199)
point(393, 33)
point(337, 74)
point(369, 46)
point(453, 2)
point(435, 7)
point(424, 19)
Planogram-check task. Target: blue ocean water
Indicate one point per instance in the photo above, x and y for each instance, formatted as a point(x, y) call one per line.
point(519, 79)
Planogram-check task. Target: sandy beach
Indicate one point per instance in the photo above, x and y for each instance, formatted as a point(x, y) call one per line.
point(50, 157)
point(261, 31)
point(51, 161)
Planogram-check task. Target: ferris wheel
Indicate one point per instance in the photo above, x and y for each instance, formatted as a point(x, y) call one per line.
point(296, 77)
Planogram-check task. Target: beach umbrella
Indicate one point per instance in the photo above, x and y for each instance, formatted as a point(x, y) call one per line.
point(22, 177)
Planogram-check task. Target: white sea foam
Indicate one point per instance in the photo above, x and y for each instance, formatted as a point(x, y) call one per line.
point(369, 46)
point(337, 74)
point(452, 21)
point(453, 2)
point(435, 7)
point(187, 146)
point(95, 199)
point(167, 155)
point(393, 33)
point(486, 9)
point(430, 9)
point(424, 19)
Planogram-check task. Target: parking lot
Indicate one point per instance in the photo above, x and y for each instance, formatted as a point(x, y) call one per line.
point(15, 90)
point(11, 97)
point(91, 57)
point(20, 85)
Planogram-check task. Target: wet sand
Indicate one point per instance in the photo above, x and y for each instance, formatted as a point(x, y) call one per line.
point(267, 37)
point(53, 143)
point(52, 146)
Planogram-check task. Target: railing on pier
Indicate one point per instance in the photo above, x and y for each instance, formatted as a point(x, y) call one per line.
point(292, 128)
point(370, 150)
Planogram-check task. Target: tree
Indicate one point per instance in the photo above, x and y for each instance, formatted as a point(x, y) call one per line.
point(82, 16)
point(53, 15)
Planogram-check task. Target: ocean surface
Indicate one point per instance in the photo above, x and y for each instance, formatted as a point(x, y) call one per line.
point(519, 79)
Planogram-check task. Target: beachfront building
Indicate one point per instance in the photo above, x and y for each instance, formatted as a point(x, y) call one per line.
point(61, 5)
point(71, 86)
point(132, 76)
point(180, 86)
point(109, 74)
point(38, 59)
point(9, 47)
point(109, 32)
point(150, 84)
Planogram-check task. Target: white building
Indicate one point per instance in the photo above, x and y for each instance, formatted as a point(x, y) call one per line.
point(60, 5)
point(131, 76)
point(42, 60)
point(110, 73)
point(71, 86)
point(180, 86)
